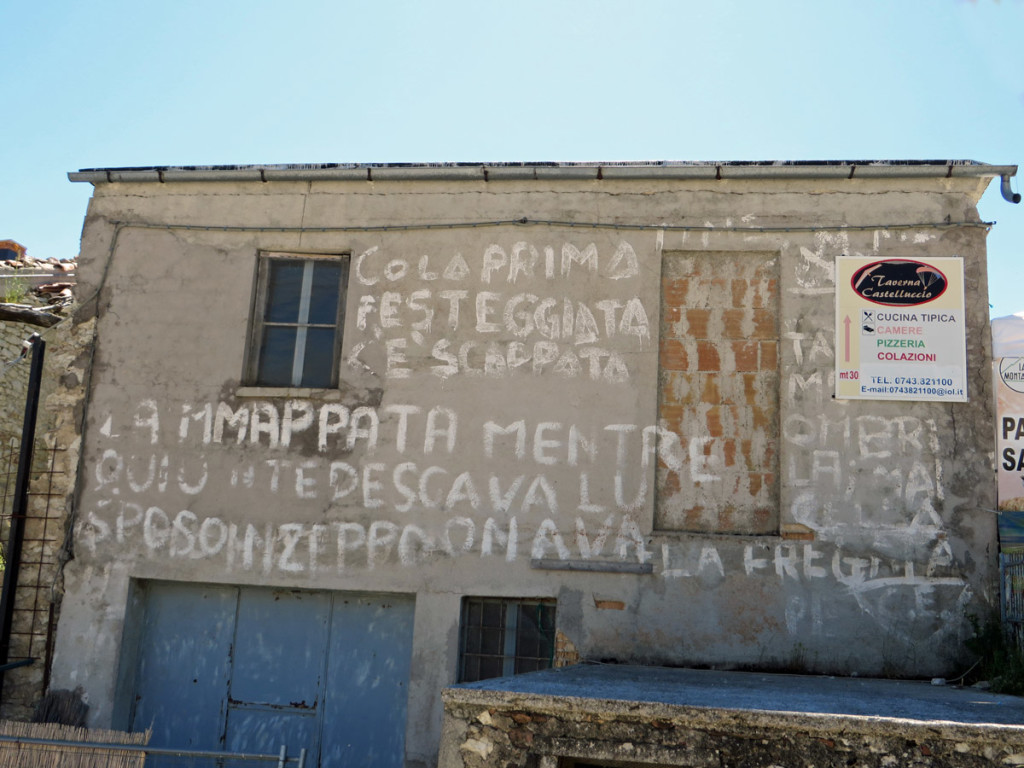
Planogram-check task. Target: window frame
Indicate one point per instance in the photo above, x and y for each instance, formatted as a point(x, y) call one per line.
point(511, 654)
point(259, 311)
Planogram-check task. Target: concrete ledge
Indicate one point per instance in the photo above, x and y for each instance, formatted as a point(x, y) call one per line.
point(673, 717)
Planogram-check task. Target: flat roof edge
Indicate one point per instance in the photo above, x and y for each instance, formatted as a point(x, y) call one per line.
point(801, 169)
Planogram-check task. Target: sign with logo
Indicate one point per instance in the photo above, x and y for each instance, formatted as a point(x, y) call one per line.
point(900, 331)
point(1010, 432)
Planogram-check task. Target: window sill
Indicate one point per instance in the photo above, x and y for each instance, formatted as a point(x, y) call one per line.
point(593, 566)
point(300, 393)
point(672, 534)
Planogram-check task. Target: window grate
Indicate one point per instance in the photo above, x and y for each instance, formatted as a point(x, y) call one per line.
point(503, 637)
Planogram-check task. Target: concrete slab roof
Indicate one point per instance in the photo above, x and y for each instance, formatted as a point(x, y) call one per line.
point(762, 692)
point(472, 171)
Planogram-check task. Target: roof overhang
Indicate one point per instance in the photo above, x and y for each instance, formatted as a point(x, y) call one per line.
point(800, 169)
point(660, 170)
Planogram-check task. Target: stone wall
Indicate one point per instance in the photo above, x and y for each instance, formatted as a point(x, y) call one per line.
point(51, 491)
point(482, 730)
point(13, 377)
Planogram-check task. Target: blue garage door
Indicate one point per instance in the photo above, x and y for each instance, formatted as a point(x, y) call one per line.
point(248, 669)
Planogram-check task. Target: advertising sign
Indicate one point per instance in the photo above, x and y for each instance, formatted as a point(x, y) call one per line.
point(1009, 386)
point(900, 332)
point(1010, 431)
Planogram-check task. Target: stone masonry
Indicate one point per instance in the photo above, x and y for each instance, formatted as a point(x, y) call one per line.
point(54, 474)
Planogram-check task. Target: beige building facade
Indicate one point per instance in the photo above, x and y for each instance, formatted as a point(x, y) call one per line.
point(527, 414)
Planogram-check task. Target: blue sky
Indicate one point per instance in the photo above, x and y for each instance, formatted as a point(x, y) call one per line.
point(113, 83)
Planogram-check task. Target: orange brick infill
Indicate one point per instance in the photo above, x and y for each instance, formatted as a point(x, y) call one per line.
point(754, 484)
point(759, 481)
point(750, 386)
point(765, 418)
point(678, 387)
point(673, 355)
point(755, 292)
point(763, 518)
point(692, 519)
point(714, 292)
point(726, 521)
point(711, 391)
point(742, 293)
point(797, 532)
point(675, 291)
point(749, 324)
point(566, 654)
point(769, 356)
point(733, 322)
point(697, 321)
point(707, 356)
point(672, 416)
point(765, 458)
point(746, 355)
point(720, 418)
point(670, 484)
point(728, 452)
point(713, 423)
point(765, 324)
point(745, 323)
point(757, 463)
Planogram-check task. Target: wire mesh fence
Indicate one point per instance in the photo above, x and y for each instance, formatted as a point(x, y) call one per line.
point(43, 524)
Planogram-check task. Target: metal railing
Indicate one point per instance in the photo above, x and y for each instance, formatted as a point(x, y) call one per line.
point(1011, 588)
point(1011, 579)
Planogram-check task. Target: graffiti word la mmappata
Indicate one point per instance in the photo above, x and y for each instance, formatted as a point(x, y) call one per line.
point(402, 485)
point(405, 428)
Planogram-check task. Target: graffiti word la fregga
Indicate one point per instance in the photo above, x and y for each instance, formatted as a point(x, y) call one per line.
point(340, 546)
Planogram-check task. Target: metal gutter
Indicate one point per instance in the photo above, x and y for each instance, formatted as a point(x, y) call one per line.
point(833, 169)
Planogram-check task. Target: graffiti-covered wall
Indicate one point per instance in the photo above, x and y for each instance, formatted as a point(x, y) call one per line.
point(615, 394)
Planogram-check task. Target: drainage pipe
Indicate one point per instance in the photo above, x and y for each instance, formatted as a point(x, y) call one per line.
point(1008, 195)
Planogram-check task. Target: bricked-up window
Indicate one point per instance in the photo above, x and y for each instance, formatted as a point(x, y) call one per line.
point(296, 330)
point(501, 637)
point(719, 391)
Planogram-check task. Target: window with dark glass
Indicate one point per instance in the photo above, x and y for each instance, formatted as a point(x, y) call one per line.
point(501, 637)
point(300, 306)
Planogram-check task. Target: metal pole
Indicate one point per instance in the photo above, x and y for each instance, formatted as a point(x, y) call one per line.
point(1004, 592)
point(147, 750)
point(20, 509)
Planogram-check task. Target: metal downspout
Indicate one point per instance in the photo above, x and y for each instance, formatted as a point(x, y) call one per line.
point(1008, 194)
